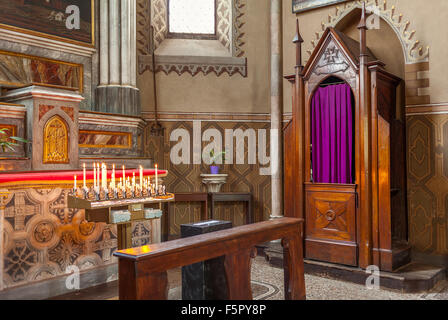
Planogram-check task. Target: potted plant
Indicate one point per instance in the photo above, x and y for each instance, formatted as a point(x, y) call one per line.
point(214, 169)
point(7, 142)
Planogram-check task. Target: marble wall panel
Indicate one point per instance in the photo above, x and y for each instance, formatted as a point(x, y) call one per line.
point(88, 80)
point(100, 140)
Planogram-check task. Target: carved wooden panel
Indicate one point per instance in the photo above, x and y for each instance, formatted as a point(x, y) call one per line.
point(330, 214)
point(331, 223)
point(55, 141)
point(332, 62)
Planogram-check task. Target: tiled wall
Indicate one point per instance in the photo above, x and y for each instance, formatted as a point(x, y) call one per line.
point(427, 144)
point(186, 178)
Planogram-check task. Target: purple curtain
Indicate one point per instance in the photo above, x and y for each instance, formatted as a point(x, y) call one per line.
point(332, 134)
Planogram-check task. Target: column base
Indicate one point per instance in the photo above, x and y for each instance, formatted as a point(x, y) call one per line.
point(118, 100)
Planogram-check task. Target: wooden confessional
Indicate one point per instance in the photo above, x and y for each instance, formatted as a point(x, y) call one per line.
point(362, 223)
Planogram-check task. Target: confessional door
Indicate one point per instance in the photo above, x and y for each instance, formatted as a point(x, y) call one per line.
point(331, 223)
point(330, 193)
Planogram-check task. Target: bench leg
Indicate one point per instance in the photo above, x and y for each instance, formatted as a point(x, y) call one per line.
point(293, 268)
point(152, 286)
point(238, 268)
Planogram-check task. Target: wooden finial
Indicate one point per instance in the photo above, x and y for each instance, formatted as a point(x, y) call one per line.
point(362, 26)
point(363, 23)
point(298, 40)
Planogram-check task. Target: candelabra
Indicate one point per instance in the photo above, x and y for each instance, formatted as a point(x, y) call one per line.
point(105, 201)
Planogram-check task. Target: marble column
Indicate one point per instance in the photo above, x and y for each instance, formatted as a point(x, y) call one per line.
point(117, 92)
point(276, 109)
point(114, 42)
point(104, 42)
point(133, 43)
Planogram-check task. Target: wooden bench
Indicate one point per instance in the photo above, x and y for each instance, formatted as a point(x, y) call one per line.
point(143, 270)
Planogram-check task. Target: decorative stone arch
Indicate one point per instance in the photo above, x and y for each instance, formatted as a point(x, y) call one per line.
point(416, 53)
point(414, 50)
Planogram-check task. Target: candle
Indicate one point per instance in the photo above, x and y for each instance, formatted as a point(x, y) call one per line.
point(84, 174)
point(104, 175)
point(113, 176)
point(133, 180)
point(94, 175)
point(124, 174)
point(141, 176)
point(74, 185)
point(157, 179)
point(98, 175)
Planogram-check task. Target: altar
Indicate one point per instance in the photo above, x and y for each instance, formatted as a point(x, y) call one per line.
point(48, 230)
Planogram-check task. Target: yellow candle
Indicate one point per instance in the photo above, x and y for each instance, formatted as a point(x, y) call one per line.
point(133, 179)
point(157, 179)
point(104, 167)
point(84, 173)
point(113, 176)
point(141, 176)
point(98, 174)
point(94, 175)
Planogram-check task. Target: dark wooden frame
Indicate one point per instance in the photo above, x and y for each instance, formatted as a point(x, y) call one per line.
point(233, 197)
point(195, 36)
point(201, 197)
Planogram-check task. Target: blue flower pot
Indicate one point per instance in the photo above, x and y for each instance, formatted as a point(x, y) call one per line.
point(214, 169)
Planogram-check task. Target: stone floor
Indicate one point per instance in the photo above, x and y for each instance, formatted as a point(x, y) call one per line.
point(319, 288)
point(267, 284)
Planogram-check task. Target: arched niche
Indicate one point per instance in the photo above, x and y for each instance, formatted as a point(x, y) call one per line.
point(56, 141)
point(383, 42)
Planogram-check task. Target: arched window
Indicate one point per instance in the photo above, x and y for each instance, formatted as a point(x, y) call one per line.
point(189, 36)
point(193, 18)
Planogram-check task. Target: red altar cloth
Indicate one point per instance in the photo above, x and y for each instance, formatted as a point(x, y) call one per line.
point(67, 176)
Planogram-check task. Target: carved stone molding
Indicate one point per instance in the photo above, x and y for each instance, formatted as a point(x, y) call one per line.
point(414, 50)
point(195, 65)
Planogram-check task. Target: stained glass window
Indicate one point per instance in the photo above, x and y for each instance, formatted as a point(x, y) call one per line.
point(192, 16)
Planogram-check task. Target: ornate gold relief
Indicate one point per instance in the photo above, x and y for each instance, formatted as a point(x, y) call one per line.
point(55, 141)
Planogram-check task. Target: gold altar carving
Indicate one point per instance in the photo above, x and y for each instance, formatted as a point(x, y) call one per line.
point(55, 141)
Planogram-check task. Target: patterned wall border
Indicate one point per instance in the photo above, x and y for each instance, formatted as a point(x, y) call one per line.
point(427, 109)
point(215, 116)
